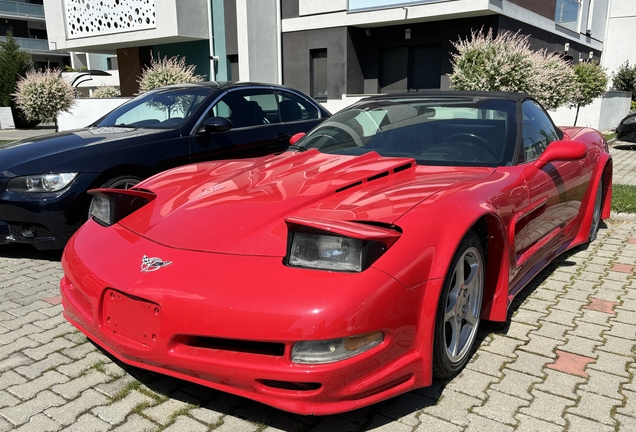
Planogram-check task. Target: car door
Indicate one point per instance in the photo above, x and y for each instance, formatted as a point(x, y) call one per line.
point(555, 191)
point(256, 127)
point(296, 113)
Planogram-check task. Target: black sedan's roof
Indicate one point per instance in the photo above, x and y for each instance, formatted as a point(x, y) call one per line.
point(225, 85)
point(513, 96)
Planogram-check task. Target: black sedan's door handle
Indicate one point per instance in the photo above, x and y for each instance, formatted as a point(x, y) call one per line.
point(282, 137)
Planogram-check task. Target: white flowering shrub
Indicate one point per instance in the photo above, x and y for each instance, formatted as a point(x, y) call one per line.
point(43, 95)
point(105, 92)
point(506, 63)
point(166, 71)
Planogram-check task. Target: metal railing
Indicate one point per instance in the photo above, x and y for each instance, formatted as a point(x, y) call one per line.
point(30, 44)
point(22, 8)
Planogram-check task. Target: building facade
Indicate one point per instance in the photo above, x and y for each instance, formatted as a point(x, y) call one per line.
point(335, 50)
point(26, 22)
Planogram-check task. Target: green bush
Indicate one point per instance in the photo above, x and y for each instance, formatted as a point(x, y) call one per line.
point(43, 95)
point(105, 92)
point(166, 71)
point(506, 63)
point(624, 79)
point(591, 82)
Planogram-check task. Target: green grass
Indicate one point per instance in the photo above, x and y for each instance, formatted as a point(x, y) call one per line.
point(609, 136)
point(5, 141)
point(623, 198)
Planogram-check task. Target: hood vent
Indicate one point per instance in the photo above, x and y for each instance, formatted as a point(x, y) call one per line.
point(377, 176)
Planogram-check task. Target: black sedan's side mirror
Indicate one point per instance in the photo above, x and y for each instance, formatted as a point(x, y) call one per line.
point(215, 124)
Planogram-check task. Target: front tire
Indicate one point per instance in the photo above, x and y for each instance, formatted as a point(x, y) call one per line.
point(459, 308)
point(596, 216)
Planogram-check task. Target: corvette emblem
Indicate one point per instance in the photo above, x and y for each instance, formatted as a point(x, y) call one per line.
point(152, 264)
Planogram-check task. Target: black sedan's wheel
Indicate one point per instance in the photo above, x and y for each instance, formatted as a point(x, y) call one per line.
point(459, 309)
point(596, 216)
point(117, 182)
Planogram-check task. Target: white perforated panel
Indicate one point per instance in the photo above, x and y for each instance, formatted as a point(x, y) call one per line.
point(100, 17)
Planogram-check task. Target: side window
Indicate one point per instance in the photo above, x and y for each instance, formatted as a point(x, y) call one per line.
point(248, 108)
point(538, 131)
point(294, 108)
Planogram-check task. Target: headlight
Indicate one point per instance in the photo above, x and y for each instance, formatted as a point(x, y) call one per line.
point(41, 182)
point(332, 350)
point(109, 206)
point(329, 252)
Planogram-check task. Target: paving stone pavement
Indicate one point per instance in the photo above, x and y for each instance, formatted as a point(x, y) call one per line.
point(564, 361)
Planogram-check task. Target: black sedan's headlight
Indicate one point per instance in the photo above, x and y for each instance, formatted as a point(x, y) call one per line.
point(337, 245)
point(41, 183)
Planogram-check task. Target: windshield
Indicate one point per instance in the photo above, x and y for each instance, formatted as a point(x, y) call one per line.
point(454, 131)
point(163, 109)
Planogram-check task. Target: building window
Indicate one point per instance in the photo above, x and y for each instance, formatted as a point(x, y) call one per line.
point(111, 63)
point(318, 74)
point(234, 67)
point(567, 13)
point(410, 69)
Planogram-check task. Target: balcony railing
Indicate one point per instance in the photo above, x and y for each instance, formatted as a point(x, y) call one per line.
point(30, 44)
point(567, 13)
point(21, 8)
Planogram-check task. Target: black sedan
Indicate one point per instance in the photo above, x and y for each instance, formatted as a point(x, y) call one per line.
point(626, 130)
point(43, 181)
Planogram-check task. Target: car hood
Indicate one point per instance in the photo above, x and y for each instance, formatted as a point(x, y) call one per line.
point(44, 153)
point(240, 206)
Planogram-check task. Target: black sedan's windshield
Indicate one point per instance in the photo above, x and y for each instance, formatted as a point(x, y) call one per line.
point(164, 109)
point(455, 131)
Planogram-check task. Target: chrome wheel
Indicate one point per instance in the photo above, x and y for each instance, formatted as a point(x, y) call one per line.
point(463, 305)
point(459, 308)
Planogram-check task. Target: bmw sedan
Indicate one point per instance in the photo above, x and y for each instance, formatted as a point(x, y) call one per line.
point(43, 181)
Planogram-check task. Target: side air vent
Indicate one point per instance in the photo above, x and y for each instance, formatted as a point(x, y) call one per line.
point(378, 176)
point(349, 186)
point(402, 167)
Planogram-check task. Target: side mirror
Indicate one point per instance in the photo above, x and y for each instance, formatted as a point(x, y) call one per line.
point(296, 137)
point(215, 124)
point(561, 150)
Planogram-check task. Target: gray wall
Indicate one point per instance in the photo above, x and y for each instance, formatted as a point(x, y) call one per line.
point(296, 58)
point(262, 41)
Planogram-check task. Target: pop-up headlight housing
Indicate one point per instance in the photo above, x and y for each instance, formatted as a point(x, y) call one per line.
point(112, 205)
point(336, 245)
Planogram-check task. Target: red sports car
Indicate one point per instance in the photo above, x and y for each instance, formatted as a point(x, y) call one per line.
point(355, 266)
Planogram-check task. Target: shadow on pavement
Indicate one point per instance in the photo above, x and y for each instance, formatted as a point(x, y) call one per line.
point(29, 252)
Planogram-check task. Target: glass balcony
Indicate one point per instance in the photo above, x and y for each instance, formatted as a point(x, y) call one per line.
point(22, 8)
point(358, 5)
point(30, 44)
point(567, 14)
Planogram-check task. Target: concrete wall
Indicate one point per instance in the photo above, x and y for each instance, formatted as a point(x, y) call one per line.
point(603, 114)
point(87, 111)
point(621, 35)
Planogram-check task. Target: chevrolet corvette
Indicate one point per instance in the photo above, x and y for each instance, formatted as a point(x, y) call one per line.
point(351, 268)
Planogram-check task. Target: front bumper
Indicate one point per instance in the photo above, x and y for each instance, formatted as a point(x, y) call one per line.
point(45, 221)
point(229, 322)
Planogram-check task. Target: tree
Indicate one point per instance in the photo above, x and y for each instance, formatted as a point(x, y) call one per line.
point(624, 79)
point(506, 63)
point(105, 92)
point(43, 95)
point(166, 71)
point(14, 64)
point(591, 82)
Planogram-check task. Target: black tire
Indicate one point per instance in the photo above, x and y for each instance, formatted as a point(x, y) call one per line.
point(117, 182)
point(459, 309)
point(596, 215)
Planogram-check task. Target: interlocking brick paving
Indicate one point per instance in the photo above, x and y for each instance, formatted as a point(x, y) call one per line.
point(602, 306)
point(573, 364)
point(622, 268)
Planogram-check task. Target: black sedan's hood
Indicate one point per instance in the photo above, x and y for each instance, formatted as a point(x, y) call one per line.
point(45, 153)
